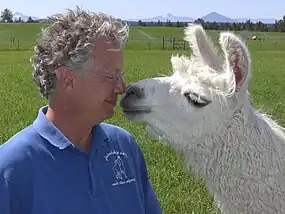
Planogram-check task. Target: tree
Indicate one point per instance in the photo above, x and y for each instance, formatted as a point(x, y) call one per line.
point(30, 20)
point(7, 15)
point(19, 20)
point(199, 21)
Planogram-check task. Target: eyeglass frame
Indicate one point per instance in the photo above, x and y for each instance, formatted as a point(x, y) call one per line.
point(112, 77)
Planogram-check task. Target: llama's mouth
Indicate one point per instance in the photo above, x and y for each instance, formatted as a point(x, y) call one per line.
point(134, 112)
point(131, 106)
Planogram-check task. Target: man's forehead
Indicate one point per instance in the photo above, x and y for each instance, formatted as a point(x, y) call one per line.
point(107, 51)
point(107, 44)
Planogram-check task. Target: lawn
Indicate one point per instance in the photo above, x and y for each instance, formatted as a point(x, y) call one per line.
point(177, 191)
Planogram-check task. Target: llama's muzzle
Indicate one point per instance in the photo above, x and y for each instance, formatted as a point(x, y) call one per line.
point(132, 100)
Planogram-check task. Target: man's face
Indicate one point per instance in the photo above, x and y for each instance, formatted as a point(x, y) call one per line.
point(97, 91)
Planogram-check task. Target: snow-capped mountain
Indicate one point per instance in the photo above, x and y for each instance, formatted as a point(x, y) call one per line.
point(17, 15)
point(211, 17)
point(166, 17)
point(173, 18)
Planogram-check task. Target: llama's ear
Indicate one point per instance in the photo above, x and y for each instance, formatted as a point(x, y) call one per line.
point(202, 46)
point(179, 64)
point(237, 58)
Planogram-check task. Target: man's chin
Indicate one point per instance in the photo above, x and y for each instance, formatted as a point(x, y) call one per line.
point(109, 113)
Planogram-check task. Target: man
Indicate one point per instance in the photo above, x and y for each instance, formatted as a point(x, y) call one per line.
point(69, 161)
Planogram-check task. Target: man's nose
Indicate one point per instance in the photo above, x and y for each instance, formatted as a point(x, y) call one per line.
point(120, 86)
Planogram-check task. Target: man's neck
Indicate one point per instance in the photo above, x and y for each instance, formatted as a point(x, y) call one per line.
point(71, 126)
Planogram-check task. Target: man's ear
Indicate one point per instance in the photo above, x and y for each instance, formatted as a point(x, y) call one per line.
point(237, 58)
point(65, 78)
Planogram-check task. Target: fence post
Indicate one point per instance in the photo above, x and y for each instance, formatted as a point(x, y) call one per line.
point(18, 45)
point(163, 42)
point(173, 43)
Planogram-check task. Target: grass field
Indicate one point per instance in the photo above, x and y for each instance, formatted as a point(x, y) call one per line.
point(176, 189)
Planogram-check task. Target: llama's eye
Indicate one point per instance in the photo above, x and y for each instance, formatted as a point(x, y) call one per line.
point(196, 100)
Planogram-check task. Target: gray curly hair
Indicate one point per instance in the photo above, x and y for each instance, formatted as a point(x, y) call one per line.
point(68, 42)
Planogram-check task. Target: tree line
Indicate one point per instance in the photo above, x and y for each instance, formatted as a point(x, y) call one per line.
point(7, 16)
point(278, 26)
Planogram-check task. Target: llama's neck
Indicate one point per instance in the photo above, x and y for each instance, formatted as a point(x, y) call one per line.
point(248, 137)
point(238, 128)
point(240, 123)
point(249, 125)
point(245, 126)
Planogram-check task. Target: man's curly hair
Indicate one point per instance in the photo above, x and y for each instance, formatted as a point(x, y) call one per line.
point(68, 42)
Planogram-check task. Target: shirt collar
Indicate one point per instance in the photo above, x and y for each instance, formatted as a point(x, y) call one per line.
point(54, 136)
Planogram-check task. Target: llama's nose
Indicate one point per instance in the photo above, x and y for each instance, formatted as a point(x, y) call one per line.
point(134, 91)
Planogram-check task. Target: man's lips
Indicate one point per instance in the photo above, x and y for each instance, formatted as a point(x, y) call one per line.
point(111, 101)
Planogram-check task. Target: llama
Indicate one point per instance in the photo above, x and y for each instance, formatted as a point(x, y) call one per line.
point(204, 111)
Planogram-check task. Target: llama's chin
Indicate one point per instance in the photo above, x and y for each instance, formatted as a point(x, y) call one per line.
point(155, 134)
point(134, 116)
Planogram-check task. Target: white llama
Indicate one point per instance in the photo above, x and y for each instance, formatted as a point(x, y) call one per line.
point(204, 112)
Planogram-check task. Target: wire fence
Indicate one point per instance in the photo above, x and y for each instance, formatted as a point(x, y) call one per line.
point(148, 42)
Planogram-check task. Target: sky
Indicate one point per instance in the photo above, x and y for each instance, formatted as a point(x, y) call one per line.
point(132, 9)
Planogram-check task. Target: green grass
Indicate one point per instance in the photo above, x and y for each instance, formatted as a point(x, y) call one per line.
point(177, 191)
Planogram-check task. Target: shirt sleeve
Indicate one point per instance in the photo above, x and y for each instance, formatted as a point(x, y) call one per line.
point(151, 202)
point(4, 196)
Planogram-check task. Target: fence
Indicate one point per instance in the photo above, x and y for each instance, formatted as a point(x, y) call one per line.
point(178, 44)
point(164, 43)
point(14, 44)
point(174, 43)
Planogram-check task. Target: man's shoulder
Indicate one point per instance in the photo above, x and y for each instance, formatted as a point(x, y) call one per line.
point(21, 138)
point(17, 150)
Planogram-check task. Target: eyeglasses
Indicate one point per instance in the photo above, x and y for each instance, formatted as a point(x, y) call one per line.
point(113, 77)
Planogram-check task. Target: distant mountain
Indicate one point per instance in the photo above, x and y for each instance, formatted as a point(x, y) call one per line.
point(16, 15)
point(216, 17)
point(211, 17)
point(165, 18)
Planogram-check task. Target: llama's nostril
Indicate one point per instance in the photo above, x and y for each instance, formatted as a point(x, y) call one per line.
point(135, 91)
point(131, 92)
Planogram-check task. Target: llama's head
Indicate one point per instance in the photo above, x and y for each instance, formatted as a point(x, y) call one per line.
point(203, 92)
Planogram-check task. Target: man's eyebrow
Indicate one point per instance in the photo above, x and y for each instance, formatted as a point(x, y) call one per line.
point(114, 49)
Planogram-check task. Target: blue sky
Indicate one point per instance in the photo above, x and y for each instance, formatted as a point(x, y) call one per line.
point(149, 8)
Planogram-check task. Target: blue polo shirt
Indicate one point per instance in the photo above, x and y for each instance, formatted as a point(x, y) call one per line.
point(41, 172)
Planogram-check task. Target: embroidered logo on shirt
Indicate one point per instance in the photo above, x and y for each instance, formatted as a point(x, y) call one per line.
point(118, 168)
